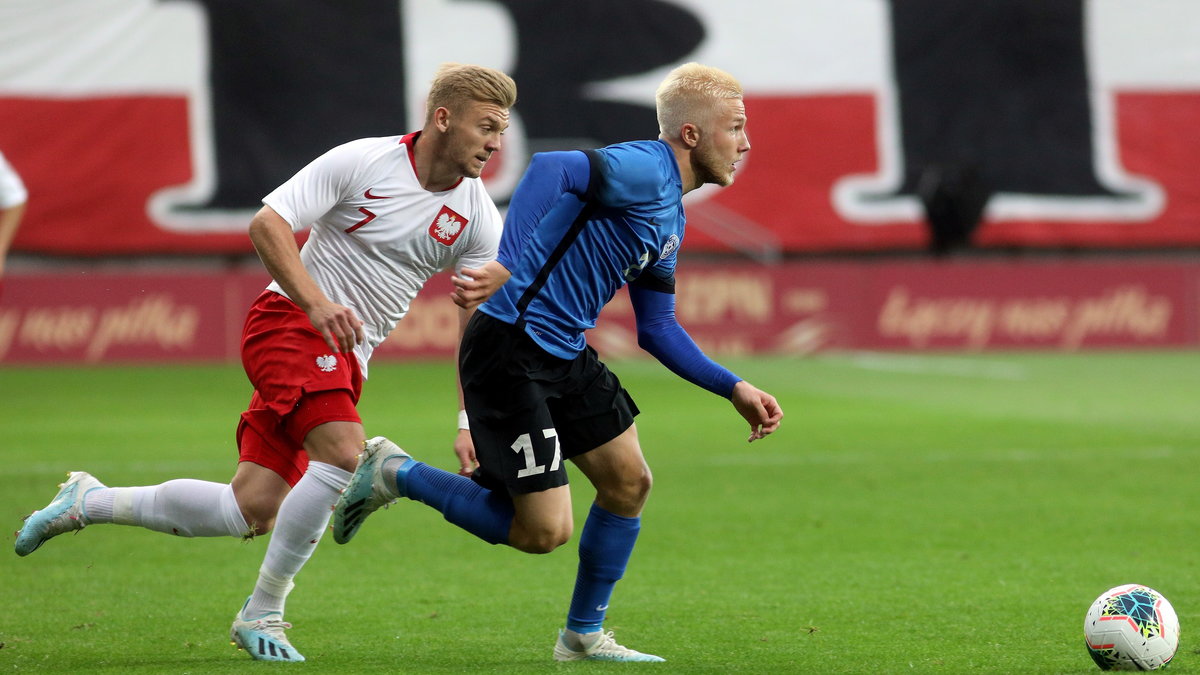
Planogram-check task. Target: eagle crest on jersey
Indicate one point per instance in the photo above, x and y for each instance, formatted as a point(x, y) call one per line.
point(327, 363)
point(447, 226)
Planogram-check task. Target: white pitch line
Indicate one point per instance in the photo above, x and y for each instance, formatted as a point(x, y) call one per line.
point(167, 468)
point(931, 365)
point(1009, 456)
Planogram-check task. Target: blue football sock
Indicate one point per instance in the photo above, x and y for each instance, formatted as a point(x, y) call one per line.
point(462, 501)
point(604, 548)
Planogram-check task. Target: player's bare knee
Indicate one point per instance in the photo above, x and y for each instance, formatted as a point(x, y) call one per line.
point(336, 443)
point(258, 524)
point(627, 495)
point(346, 461)
point(642, 483)
point(259, 514)
point(540, 544)
point(344, 456)
point(541, 539)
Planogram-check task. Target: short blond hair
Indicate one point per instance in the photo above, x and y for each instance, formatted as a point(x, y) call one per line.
point(690, 94)
point(456, 84)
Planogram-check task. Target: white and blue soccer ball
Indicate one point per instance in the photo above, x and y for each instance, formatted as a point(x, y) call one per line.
point(1131, 627)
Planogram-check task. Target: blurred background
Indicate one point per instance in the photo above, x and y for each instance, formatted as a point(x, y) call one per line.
point(925, 174)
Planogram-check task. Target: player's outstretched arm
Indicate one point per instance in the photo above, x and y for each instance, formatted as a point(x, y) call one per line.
point(660, 334)
point(276, 245)
point(548, 178)
point(758, 407)
point(464, 449)
point(464, 445)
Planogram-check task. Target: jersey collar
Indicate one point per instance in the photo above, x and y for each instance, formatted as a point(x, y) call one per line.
point(410, 142)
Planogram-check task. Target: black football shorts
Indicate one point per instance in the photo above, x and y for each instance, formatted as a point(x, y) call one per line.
point(529, 410)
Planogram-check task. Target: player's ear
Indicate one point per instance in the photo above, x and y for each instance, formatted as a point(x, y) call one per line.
point(441, 118)
point(690, 134)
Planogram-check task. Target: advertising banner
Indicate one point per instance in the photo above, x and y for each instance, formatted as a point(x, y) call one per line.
point(732, 310)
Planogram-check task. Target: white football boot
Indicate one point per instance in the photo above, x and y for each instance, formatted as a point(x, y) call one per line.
point(602, 648)
point(369, 488)
point(64, 513)
point(263, 638)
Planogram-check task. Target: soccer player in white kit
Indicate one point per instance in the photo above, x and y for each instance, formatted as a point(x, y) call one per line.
point(13, 197)
point(386, 215)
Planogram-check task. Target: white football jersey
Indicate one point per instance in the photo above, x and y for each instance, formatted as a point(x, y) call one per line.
point(377, 235)
point(12, 190)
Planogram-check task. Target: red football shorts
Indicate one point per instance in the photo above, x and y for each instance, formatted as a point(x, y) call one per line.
point(299, 383)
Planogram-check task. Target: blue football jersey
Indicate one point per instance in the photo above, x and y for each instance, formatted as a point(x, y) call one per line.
point(578, 253)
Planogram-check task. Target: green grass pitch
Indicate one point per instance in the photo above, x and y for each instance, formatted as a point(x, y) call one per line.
point(916, 513)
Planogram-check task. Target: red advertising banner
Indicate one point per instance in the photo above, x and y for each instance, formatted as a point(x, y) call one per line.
point(98, 317)
point(734, 309)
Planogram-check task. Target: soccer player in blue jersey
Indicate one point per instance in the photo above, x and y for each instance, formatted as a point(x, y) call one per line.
point(580, 226)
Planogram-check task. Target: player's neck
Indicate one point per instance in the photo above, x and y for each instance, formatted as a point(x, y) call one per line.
point(433, 174)
point(683, 159)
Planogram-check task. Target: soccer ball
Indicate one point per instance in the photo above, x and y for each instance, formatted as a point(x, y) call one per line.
point(1131, 627)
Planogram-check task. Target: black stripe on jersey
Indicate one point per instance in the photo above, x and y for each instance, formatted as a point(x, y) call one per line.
point(594, 176)
point(555, 256)
point(653, 283)
point(572, 233)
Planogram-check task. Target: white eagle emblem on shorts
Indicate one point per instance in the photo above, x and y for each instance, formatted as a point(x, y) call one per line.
point(446, 227)
point(327, 363)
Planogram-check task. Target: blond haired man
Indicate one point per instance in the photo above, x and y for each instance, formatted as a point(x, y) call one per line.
point(385, 214)
point(581, 225)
